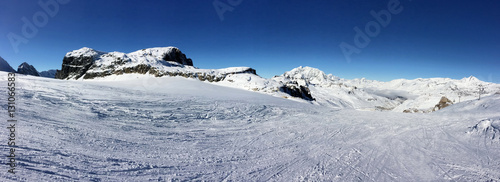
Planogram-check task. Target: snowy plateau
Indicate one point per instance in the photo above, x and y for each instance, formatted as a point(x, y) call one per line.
point(110, 119)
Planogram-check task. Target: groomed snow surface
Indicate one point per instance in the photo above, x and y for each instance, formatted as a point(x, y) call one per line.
point(142, 128)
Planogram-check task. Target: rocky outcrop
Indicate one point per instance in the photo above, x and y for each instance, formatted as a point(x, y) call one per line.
point(88, 63)
point(295, 90)
point(413, 110)
point(74, 67)
point(75, 64)
point(444, 102)
point(177, 56)
point(27, 69)
point(4, 66)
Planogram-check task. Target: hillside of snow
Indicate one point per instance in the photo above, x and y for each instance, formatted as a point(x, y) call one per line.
point(420, 95)
point(137, 127)
point(303, 84)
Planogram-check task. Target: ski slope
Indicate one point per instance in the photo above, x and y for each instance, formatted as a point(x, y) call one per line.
point(142, 128)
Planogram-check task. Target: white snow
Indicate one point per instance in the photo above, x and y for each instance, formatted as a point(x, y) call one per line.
point(109, 62)
point(401, 95)
point(397, 95)
point(85, 51)
point(141, 128)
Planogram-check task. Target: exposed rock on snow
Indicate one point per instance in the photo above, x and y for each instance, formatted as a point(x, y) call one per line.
point(309, 75)
point(490, 128)
point(409, 96)
point(444, 102)
point(311, 84)
point(186, 130)
point(76, 63)
point(27, 69)
point(297, 91)
point(88, 63)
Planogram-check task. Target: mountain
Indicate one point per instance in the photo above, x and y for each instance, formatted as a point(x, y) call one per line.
point(304, 84)
point(27, 69)
point(49, 73)
point(87, 63)
point(419, 95)
point(4, 66)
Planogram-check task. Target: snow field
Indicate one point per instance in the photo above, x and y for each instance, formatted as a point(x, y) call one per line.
point(141, 128)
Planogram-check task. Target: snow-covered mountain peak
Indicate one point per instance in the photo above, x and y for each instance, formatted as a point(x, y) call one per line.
point(87, 63)
point(308, 74)
point(157, 52)
point(161, 53)
point(311, 84)
point(471, 79)
point(84, 52)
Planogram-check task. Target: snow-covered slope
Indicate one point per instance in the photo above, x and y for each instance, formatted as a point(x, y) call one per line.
point(137, 127)
point(304, 84)
point(427, 92)
point(419, 95)
point(87, 63)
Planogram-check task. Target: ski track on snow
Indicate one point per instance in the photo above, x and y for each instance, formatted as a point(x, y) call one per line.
point(95, 131)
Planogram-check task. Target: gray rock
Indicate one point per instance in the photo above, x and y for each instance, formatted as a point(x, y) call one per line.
point(27, 69)
point(177, 56)
point(295, 90)
point(74, 67)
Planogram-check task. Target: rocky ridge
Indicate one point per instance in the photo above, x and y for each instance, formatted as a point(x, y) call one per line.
point(27, 69)
point(309, 84)
point(87, 63)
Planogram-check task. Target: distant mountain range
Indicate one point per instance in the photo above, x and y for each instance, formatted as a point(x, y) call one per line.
point(26, 69)
point(303, 84)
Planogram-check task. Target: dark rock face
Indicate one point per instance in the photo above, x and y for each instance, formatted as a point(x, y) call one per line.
point(74, 67)
point(177, 56)
point(27, 69)
point(249, 70)
point(295, 90)
point(76, 64)
point(88, 63)
point(48, 73)
point(4, 66)
point(141, 68)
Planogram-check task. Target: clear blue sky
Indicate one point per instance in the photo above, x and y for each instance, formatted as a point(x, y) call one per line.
point(428, 38)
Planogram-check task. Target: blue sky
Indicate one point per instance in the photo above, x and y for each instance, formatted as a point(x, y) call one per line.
point(427, 38)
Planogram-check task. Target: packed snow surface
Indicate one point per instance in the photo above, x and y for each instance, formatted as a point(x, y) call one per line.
point(142, 128)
